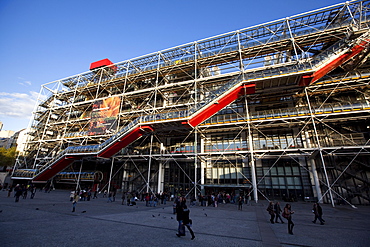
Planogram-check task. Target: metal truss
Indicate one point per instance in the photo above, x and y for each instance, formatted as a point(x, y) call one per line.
point(297, 95)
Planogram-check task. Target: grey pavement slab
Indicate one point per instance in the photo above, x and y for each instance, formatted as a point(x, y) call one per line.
point(47, 220)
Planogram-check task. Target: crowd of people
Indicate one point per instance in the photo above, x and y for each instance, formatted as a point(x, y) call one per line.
point(21, 190)
point(180, 207)
point(274, 211)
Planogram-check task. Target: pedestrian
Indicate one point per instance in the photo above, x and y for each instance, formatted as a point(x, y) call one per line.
point(186, 221)
point(155, 201)
point(88, 194)
point(114, 194)
point(110, 197)
point(240, 202)
point(317, 210)
point(277, 210)
point(270, 209)
point(123, 198)
point(10, 190)
point(129, 197)
point(18, 192)
point(287, 213)
point(33, 191)
point(76, 196)
point(24, 192)
point(179, 216)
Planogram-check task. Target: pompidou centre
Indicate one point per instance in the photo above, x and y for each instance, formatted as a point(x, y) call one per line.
point(279, 110)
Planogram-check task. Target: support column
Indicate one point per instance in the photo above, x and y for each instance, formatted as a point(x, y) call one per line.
point(251, 151)
point(202, 166)
point(160, 177)
point(314, 176)
point(196, 163)
point(150, 163)
point(79, 176)
point(124, 178)
point(110, 175)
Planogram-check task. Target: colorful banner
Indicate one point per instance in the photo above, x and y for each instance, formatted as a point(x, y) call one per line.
point(104, 116)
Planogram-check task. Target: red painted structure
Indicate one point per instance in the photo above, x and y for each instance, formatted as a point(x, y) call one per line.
point(309, 79)
point(221, 103)
point(103, 63)
point(65, 161)
point(124, 141)
point(58, 166)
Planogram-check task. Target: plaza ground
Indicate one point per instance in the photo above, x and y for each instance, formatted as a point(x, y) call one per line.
point(48, 220)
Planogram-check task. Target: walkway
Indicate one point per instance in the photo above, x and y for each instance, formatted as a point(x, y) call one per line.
point(47, 220)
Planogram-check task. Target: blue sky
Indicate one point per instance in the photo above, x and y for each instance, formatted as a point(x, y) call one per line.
point(46, 40)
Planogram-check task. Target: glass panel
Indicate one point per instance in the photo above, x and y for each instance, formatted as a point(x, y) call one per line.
point(283, 142)
point(295, 170)
point(297, 181)
point(289, 181)
point(281, 170)
point(288, 170)
point(273, 171)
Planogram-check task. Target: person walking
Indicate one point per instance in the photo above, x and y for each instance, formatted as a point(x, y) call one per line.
point(181, 203)
point(277, 211)
point(18, 192)
point(240, 203)
point(317, 210)
point(10, 190)
point(186, 221)
point(76, 196)
point(288, 215)
point(270, 209)
point(33, 191)
point(110, 197)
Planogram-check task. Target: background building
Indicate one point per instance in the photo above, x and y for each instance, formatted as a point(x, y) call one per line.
point(278, 111)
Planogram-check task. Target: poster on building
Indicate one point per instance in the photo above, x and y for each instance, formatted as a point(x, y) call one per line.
point(104, 116)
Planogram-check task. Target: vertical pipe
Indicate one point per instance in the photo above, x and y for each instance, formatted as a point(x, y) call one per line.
point(195, 162)
point(202, 167)
point(79, 176)
point(251, 151)
point(110, 175)
point(150, 163)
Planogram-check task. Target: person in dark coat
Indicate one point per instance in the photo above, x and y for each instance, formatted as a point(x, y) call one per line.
point(240, 203)
point(186, 221)
point(18, 192)
point(180, 204)
point(270, 209)
point(317, 210)
point(288, 215)
point(277, 210)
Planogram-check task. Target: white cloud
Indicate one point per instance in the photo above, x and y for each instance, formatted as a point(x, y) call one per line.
point(24, 82)
point(17, 105)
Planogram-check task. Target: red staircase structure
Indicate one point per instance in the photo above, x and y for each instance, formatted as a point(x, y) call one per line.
point(221, 103)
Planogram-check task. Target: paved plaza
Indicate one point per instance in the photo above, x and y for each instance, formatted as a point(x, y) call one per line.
point(47, 220)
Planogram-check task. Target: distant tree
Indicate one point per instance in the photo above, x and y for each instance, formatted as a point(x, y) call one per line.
point(8, 156)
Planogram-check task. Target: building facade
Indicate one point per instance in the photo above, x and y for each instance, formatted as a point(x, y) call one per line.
point(277, 111)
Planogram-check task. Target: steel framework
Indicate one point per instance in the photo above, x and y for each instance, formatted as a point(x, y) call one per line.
point(279, 110)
